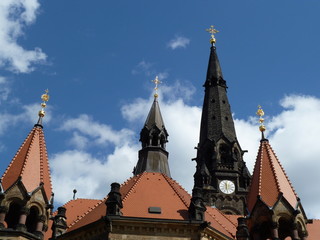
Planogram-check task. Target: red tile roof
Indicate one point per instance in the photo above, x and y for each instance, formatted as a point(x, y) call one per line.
point(314, 230)
point(76, 209)
point(30, 163)
point(155, 190)
point(269, 179)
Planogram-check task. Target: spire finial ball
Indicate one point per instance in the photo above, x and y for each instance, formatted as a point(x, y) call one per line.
point(45, 98)
point(260, 113)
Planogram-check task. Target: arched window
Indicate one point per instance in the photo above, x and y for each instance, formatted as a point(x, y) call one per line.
point(163, 141)
point(265, 230)
point(32, 219)
point(285, 227)
point(224, 151)
point(154, 139)
point(13, 215)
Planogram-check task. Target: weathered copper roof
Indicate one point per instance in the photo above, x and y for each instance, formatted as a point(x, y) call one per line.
point(30, 163)
point(269, 179)
point(155, 190)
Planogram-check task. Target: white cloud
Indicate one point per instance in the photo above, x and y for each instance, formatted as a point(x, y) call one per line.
point(92, 175)
point(142, 67)
point(15, 15)
point(100, 134)
point(27, 115)
point(4, 89)
point(89, 175)
point(178, 42)
point(148, 69)
point(293, 134)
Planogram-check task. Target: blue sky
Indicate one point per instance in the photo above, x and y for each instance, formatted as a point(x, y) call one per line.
point(98, 59)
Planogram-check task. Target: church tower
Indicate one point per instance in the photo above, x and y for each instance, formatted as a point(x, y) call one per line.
point(275, 211)
point(153, 156)
point(221, 174)
point(25, 189)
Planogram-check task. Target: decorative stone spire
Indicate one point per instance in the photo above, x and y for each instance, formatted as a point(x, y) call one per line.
point(274, 208)
point(153, 156)
point(31, 164)
point(219, 152)
point(269, 180)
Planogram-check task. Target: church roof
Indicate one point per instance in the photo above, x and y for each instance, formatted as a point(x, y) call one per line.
point(269, 180)
point(313, 230)
point(77, 208)
point(149, 190)
point(30, 164)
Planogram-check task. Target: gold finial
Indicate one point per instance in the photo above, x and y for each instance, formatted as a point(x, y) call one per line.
point(45, 98)
point(212, 31)
point(156, 82)
point(260, 113)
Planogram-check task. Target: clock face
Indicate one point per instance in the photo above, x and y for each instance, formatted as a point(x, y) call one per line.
point(227, 186)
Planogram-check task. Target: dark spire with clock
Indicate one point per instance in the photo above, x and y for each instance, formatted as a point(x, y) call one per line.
point(221, 174)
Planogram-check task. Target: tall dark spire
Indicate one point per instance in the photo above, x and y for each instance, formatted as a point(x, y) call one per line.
point(221, 173)
point(216, 121)
point(153, 156)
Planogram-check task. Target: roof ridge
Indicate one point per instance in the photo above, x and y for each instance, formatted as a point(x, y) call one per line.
point(87, 212)
point(225, 216)
point(133, 186)
point(260, 167)
point(284, 172)
point(79, 199)
point(41, 156)
point(34, 130)
point(221, 224)
point(19, 150)
point(272, 166)
point(42, 140)
point(179, 195)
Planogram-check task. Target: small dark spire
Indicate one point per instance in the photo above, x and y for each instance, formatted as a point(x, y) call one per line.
point(153, 156)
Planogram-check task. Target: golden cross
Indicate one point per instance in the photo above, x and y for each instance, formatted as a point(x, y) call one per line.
point(156, 82)
point(212, 30)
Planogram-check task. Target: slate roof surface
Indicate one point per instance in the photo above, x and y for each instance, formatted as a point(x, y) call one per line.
point(269, 179)
point(30, 163)
point(154, 117)
point(154, 190)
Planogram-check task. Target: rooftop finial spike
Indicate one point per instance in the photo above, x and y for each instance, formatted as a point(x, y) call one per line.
point(262, 127)
point(74, 193)
point(156, 82)
point(213, 31)
point(45, 98)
